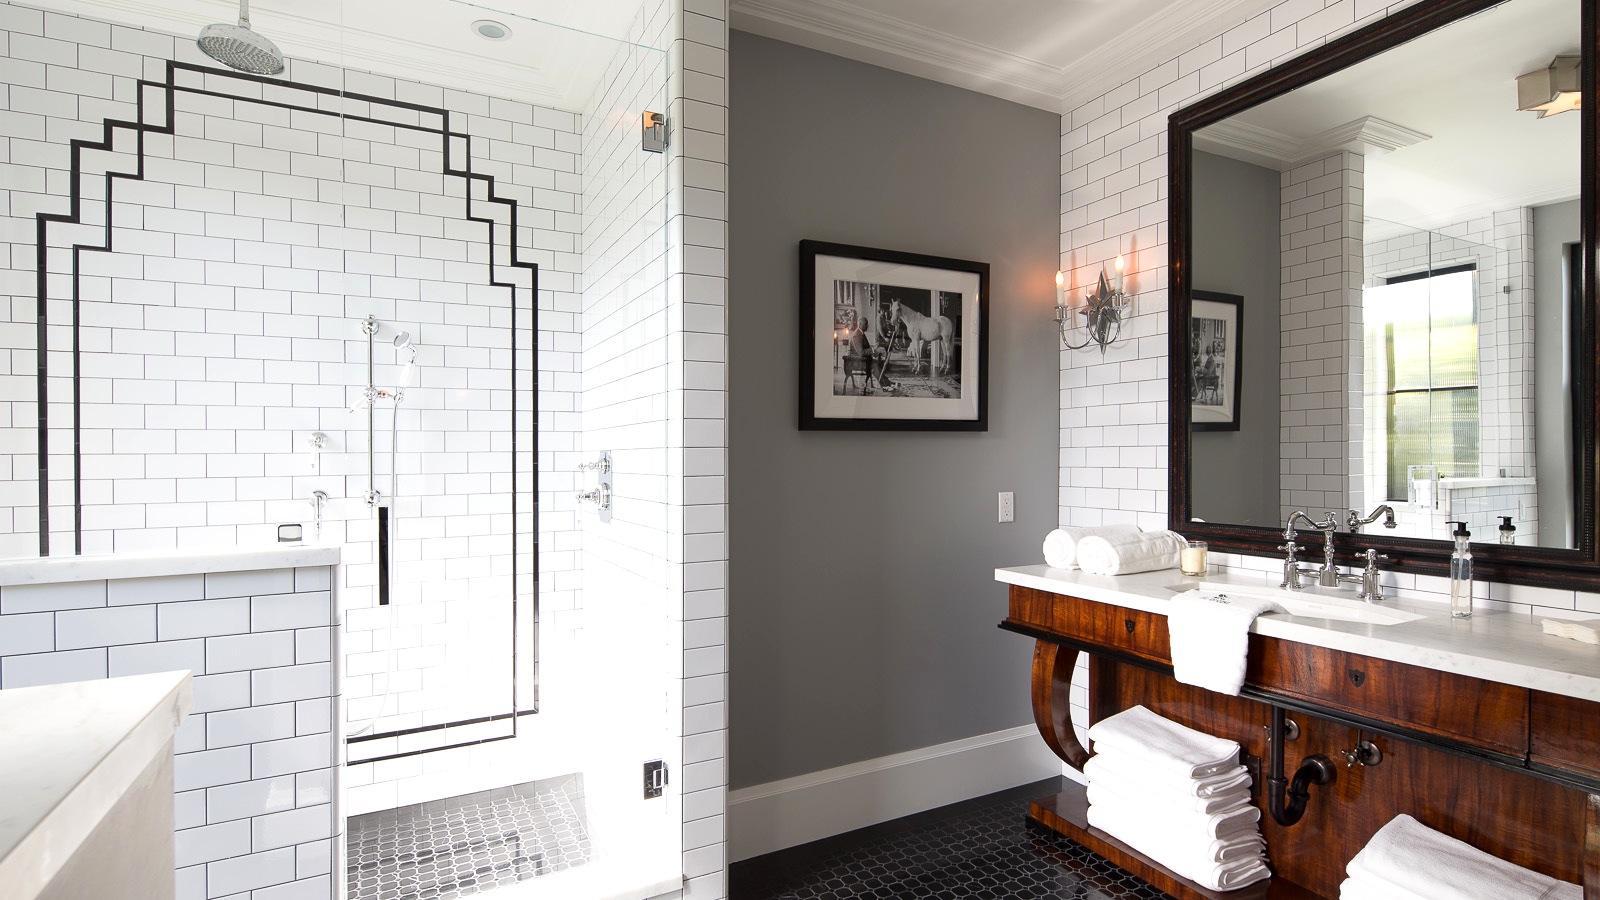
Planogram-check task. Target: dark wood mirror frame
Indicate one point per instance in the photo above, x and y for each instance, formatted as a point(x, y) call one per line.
point(1577, 568)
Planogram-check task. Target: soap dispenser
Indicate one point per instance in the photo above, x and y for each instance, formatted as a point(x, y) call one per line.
point(1508, 531)
point(1461, 573)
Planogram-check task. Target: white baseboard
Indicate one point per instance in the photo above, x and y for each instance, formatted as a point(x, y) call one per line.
point(779, 814)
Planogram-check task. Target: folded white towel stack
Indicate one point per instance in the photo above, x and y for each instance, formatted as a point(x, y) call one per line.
point(1061, 545)
point(1178, 796)
point(1123, 554)
point(1210, 632)
point(1407, 860)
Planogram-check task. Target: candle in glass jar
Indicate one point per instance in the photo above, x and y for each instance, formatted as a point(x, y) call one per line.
point(1192, 559)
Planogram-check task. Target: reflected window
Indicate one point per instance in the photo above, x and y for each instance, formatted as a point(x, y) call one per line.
point(1422, 347)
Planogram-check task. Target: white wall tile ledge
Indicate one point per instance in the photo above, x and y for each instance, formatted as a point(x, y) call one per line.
point(71, 752)
point(1507, 647)
point(155, 564)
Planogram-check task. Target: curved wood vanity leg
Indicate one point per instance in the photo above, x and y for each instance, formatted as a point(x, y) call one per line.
point(1591, 848)
point(1053, 665)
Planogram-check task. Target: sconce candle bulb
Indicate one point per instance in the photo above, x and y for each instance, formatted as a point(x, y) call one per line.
point(1061, 295)
point(1119, 265)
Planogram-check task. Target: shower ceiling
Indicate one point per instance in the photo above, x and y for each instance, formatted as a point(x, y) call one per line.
point(426, 40)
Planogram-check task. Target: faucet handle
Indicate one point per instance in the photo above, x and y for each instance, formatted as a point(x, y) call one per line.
point(1373, 556)
point(1292, 548)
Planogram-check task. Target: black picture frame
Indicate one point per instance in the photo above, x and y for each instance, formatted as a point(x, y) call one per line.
point(1211, 378)
point(925, 369)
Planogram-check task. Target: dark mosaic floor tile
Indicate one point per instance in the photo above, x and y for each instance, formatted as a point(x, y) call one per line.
point(981, 849)
point(470, 844)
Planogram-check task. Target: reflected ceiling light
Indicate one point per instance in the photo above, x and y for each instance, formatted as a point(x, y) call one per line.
point(1551, 91)
point(488, 29)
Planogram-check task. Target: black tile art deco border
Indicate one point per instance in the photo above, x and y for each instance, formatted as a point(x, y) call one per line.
point(156, 113)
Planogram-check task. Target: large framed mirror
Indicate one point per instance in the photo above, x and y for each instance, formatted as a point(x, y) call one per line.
point(1409, 245)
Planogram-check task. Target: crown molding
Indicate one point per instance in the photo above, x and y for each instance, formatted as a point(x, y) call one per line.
point(318, 40)
point(1368, 136)
point(1171, 31)
point(847, 30)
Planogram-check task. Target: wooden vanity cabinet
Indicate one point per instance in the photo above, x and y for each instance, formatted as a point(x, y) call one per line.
point(1501, 767)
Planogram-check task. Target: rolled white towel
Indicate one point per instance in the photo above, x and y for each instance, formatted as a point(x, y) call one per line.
point(1210, 634)
point(1180, 854)
point(1419, 862)
point(1157, 797)
point(1230, 781)
point(1199, 829)
point(1163, 745)
point(1061, 545)
point(1146, 551)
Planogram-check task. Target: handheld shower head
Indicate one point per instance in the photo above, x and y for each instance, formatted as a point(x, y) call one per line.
point(402, 340)
point(237, 47)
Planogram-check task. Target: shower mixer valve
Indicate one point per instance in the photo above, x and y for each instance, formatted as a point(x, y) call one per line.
point(600, 496)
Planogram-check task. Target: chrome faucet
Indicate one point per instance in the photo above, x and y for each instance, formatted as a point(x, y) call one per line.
point(1371, 587)
point(1328, 574)
point(1354, 522)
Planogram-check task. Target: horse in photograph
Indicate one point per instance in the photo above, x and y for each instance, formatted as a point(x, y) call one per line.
point(924, 330)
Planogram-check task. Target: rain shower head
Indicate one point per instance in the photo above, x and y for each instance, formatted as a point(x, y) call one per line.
point(237, 47)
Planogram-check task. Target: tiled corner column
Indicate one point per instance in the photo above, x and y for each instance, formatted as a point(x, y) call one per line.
point(697, 428)
point(254, 775)
point(1506, 440)
point(1320, 351)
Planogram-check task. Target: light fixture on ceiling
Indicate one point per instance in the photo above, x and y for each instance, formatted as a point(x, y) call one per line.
point(1554, 90)
point(490, 30)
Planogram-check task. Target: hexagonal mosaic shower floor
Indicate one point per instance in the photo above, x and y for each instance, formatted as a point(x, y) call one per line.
point(468, 844)
point(981, 849)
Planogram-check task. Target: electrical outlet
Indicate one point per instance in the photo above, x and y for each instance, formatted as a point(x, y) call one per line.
point(1008, 507)
point(655, 779)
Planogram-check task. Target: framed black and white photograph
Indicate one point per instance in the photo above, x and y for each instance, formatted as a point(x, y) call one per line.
point(892, 341)
point(1215, 353)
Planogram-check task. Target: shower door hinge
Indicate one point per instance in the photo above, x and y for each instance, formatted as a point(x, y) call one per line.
point(655, 779)
point(656, 132)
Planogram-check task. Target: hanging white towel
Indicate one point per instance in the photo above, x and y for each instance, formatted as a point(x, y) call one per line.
point(1158, 797)
point(1419, 861)
point(1116, 554)
point(1178, 854)
point(1163, 746)
point(1222, 783)
point(1061, 545)
point(1199, 828)
point(1210, 633)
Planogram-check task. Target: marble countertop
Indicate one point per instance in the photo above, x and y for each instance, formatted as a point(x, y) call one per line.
point(70, 753)
point(1506, 647)
point(151, 564)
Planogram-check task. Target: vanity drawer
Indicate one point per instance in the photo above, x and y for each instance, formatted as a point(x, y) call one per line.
point(1483, 713)
point(1564, 733)
point(1131, 631)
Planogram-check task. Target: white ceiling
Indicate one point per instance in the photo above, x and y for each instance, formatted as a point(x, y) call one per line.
point(1457, 86)
point(1052, 54)
point(556, 55)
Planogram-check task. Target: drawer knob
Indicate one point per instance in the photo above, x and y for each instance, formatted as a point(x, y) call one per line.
point(1357, 677)
point(1128, 624)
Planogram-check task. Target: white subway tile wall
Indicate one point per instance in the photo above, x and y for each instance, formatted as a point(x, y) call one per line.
point(254, 770)
point(1320, 403)
point(1114, 442)
point(221, 331)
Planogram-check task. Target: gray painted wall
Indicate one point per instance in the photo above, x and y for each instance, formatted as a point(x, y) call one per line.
point(863, 606)
point(1554, 226)
point(1235, 474)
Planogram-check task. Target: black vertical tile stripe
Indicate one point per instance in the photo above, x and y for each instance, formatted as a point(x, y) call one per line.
point(982, 848)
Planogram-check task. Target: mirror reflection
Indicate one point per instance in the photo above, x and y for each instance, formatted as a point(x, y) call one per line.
point(1383, 270)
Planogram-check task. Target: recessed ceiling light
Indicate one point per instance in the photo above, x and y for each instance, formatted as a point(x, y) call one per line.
point(489, 29)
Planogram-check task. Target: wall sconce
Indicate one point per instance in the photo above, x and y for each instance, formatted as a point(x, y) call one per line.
point(1552, 91)
point(1102, 312)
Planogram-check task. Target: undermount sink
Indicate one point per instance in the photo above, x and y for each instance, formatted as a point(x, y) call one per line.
point(1306, 603)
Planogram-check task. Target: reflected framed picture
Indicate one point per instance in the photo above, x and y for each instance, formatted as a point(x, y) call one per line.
point(1215, 355)
point(892, 341)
